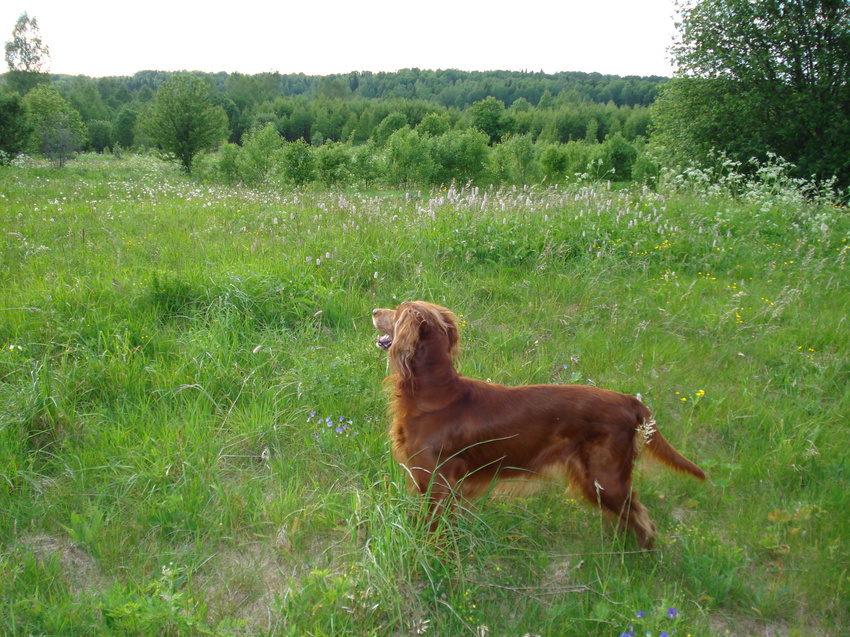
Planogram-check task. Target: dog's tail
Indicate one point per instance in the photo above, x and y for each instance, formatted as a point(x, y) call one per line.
point(663, 451)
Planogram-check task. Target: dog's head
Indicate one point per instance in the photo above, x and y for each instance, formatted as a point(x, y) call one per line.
point(416, 329)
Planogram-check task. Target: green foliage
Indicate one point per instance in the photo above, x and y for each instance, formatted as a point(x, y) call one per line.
point(759, 77)
point(260, 153)
point(57, 128)
point(299, 162)
point(433, 125)
point(14, 128)
point(553, 162)
point(100, 135)
point(389, 125)
point(123, 128)
point(183, 120)
point(26, 56)
point(333, 163)
point(458, 155)
point(408, 160)
point(619, 157)
point(490, 117)
point(25, 52)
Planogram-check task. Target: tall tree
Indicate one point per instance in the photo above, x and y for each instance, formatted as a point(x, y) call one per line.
point(183, 120)
point(26, 55)
point(759, 76)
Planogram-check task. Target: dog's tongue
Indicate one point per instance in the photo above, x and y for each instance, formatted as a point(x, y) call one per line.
point(384, 341)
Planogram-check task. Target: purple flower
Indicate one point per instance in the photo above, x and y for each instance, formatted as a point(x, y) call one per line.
point(663, 633)
point(339, 430)
point(672, 613)
point(640, 614)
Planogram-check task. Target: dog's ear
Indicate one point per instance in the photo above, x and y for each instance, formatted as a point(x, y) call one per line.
point(449, 324)
point(405, 340)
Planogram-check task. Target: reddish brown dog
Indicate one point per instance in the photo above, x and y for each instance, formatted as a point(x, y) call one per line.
point(457, 435)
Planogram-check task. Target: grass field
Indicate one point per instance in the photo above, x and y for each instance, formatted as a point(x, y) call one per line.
point(193, 428)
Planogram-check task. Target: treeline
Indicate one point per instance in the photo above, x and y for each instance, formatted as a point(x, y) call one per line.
point(449, 88)
point(335, 111)
point(559, 107)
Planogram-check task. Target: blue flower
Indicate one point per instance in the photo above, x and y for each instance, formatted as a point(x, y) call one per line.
point(672, 613)
point(640, 614)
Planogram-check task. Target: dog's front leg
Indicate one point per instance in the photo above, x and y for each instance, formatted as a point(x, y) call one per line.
point(437, 479)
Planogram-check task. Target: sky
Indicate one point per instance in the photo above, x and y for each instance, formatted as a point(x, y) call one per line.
point(101, 38)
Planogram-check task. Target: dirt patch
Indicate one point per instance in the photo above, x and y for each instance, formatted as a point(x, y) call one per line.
point(79, 568)
point(745, 627)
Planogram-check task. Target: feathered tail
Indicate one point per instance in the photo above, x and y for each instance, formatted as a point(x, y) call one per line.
point(663, 451)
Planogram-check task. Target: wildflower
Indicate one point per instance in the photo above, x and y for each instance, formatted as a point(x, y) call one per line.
point(672, 613)
point(640, 614)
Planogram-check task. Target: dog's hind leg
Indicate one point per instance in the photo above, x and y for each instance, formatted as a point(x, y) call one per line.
point(606, 481)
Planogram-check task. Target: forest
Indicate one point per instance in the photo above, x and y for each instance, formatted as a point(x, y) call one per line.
point(508, 127)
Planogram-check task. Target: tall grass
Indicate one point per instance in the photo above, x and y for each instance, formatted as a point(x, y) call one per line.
point(192, 419)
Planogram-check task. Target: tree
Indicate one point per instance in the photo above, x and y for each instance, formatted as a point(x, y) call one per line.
point(299, 163)
point(333, 162)
point(26, 55)
point(14, 129)
point(260, 152)
point(183, 120)
point(58, 130)
point(100, 135)
point(759, 77)
point(490, 117)
point(408, 160)
point(433, 125)
point(124, 125)
point(554, 162)
point(390, 124)
point(618, 156)
point(458, 155)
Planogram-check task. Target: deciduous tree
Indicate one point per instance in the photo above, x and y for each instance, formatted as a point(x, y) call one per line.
point(26, 55)
point(759, 77)
point(58, 130)
point(14, 129)
point(183, 120)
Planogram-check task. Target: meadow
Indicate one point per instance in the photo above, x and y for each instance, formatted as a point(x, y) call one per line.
point(192, 409)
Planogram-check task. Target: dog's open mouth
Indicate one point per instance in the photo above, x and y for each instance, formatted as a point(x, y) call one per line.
point(384, 341)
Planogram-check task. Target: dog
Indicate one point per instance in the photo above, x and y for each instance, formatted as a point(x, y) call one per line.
point(458, 437)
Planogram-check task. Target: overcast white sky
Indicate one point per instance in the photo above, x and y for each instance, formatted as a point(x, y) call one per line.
point(318, 37)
